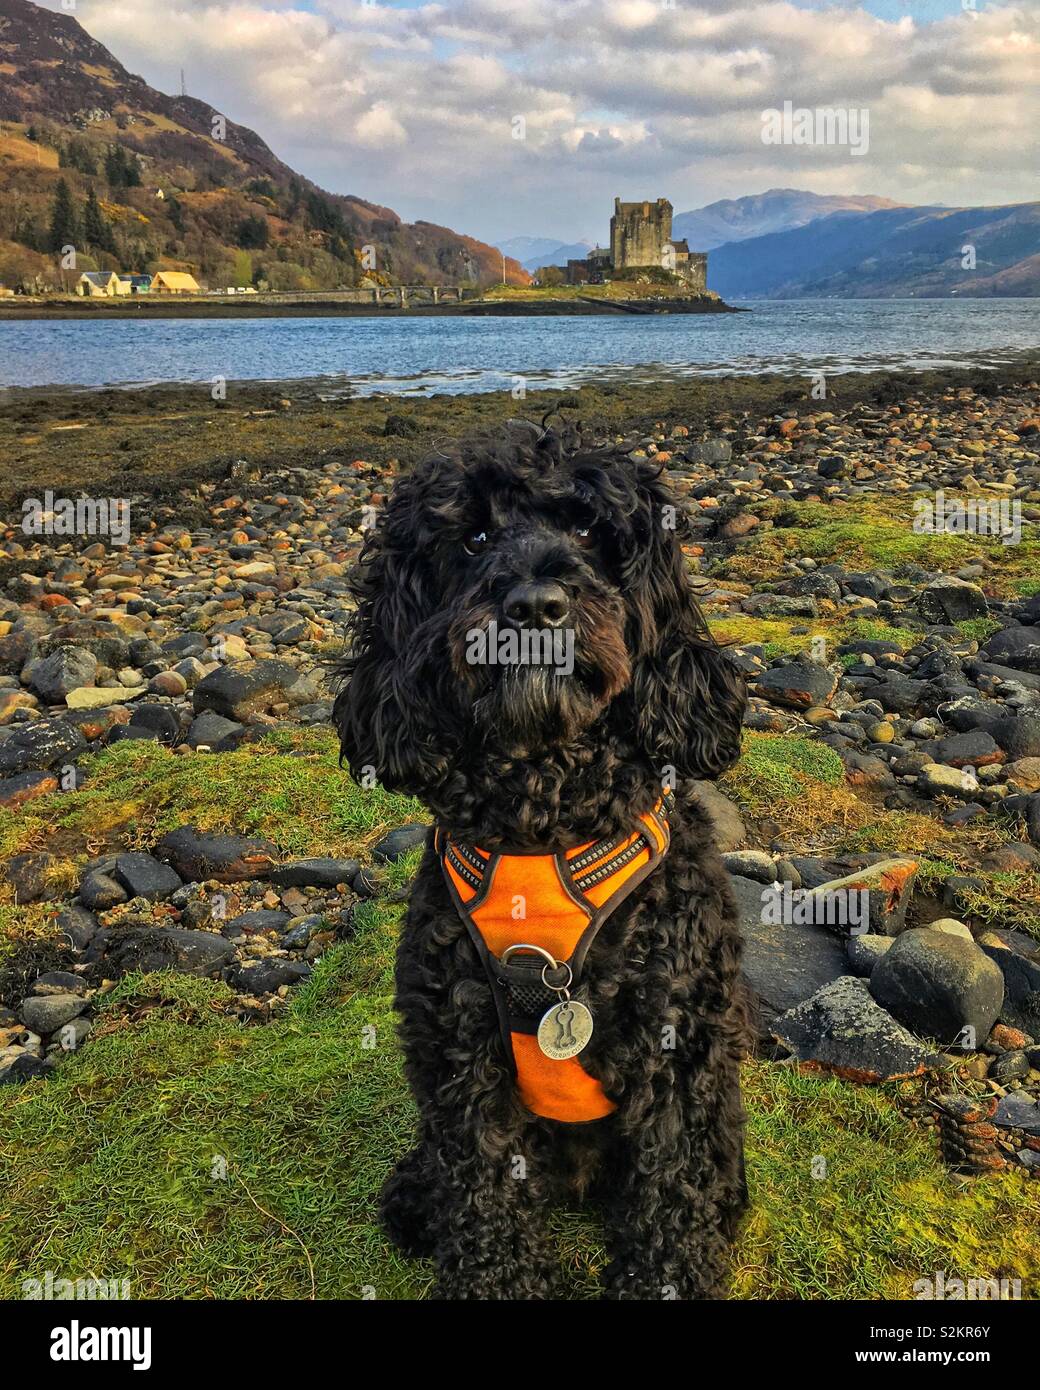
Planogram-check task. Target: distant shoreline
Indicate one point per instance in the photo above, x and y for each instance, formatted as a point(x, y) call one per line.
point(262, 307)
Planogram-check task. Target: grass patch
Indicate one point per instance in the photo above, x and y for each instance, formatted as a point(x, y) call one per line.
point(25, 930)
point(874, 630)
point(883, 1214)
point(781, 765)
point(797, 780)
point(119, 1163)
point(1008, 899)
point(289, 787)
point(978, 629)
point(913, 832)
point(151, 1153)
point(30, 921)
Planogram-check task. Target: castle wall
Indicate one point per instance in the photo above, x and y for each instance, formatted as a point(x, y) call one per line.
point(695, 271)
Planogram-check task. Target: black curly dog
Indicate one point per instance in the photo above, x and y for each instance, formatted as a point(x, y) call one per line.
point(534, 527)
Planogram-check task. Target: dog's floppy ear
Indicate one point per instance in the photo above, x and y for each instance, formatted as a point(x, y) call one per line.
point(689, 699)
point(383, 712)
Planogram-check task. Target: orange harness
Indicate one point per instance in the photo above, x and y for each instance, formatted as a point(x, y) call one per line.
point(533, 918)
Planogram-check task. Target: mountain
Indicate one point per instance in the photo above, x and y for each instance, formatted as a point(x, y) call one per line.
point(535, 251)
point(526, 248)
point(559, 255)
point(777, 210)
point(547, 252)
point(894, 253)
point(154, 181)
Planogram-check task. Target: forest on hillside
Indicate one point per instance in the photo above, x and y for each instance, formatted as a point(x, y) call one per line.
point(124, 211)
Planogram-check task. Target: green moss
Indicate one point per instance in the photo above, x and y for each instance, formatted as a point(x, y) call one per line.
point(850, 1201)
point(874, 533)
point(777, 636)
point(136, 790)
point(873, 630)
point(788, 636)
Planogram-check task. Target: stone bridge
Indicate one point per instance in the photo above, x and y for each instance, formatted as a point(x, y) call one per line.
point(417, 294)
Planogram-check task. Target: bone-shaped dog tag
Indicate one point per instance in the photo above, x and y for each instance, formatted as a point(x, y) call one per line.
point(564, 1030)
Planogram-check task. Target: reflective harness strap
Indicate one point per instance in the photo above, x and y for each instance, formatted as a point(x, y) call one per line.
point(558, 903)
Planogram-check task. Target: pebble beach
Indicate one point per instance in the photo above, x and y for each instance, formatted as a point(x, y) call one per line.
point(842, 552)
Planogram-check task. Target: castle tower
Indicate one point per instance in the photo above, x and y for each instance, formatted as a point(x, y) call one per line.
point(639, 232)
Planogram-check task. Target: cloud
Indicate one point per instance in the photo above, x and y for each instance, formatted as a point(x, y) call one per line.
point(417, 108)
point(599, 142)
point(378, 128)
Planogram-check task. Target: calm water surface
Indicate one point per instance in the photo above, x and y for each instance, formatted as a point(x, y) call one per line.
point(417, 356)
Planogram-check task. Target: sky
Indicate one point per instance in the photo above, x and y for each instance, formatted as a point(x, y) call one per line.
point(504, 118)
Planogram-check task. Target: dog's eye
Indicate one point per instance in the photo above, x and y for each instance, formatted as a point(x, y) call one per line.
point(583, 535)
point(475, 543)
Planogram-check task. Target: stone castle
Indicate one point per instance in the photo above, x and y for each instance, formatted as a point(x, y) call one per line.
point(641, 239)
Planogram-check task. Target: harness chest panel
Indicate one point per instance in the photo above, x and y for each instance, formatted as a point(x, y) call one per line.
point(547, 905)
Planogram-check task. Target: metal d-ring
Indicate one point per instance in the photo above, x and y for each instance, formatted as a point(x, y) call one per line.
point(551, 963)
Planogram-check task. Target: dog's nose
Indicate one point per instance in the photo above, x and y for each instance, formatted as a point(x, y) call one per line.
point(537, 603)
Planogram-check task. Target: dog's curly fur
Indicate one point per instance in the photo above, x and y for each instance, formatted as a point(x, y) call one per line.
point(523, 758)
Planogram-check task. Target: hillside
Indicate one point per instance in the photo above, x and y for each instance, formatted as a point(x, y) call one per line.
point(895, 252)
point(776, 210)
point(178, 185)
point(1017, 281)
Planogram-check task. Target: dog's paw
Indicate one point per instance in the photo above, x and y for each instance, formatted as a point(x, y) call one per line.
point(406, 1209)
